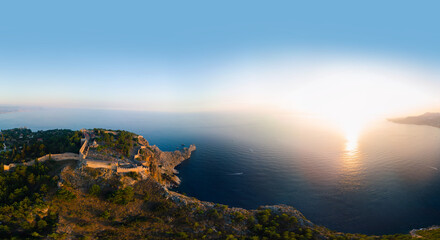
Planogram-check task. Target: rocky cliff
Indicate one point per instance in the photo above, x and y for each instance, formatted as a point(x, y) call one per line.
point(167, 161)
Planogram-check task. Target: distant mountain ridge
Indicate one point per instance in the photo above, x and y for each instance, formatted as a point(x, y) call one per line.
point(12, 109)
point(428, 119)
point(8, 109)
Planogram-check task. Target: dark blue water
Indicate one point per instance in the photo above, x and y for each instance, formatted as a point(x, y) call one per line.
point(388, 183)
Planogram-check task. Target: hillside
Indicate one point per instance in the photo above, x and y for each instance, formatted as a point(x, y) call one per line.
point(429, 119)
point(118, 188)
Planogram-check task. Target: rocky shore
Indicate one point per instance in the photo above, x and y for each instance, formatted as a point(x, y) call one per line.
point(214, 219)
point(169, 160)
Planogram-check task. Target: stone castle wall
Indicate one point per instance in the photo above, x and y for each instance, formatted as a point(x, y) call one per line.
point(54, 157)
point(82, 156)
point(82, 150)
point(59, 157)
point(93, 163)
point(138, 154)
point(134, 169)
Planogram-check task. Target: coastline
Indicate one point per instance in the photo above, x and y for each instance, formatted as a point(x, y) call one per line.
point(167, 163)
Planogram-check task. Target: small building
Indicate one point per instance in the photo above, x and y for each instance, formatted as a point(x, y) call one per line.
point(94, 144)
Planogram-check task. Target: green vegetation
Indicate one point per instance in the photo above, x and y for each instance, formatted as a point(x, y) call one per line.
point(134, 175)
point(273, 226)
point(23, 212)
point(119, 141)
point(429, 234)
point(22, 144)
point(52, 200)
point(65, 194)
point(110, 210)
point(123, 196)
point(95, 190)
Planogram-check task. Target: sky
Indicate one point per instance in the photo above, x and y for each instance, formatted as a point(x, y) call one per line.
point(191, 56)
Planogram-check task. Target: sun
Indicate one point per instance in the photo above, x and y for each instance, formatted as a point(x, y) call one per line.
point(350, 97)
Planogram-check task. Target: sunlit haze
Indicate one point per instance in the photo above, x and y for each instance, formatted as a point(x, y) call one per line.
point(173, 119)
point(346, 83)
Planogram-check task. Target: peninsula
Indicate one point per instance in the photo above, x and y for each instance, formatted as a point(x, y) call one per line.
point(112, 184)
point(428, 119)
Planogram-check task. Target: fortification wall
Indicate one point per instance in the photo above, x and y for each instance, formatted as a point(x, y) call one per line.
point(135, 169)
point(138, 155)
point(82, 152)
point(59, 157)
point(100, 164)
point(92, 163)
point(55, 157)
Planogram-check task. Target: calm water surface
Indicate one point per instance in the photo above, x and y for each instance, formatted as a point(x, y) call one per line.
point(386, 182)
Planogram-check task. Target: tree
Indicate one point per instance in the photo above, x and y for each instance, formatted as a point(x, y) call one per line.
point(65, 194)
point(95, 190)
point(41, 224)
point(31, 179)
point(123, 196)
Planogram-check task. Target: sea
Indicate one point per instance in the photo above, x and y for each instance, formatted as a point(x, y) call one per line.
point(385, 181)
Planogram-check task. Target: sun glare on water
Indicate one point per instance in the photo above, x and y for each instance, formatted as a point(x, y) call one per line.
point(351, 137)
point(351, 127)
point(349, 97)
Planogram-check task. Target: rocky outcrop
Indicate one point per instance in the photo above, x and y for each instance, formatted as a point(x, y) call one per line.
point(414, 233)
point(281, 208)
point(167, 161)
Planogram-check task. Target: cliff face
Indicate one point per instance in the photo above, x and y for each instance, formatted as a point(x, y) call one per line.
point(167, 161)
point(173, 215)
point(126, 152)
point(160, 164)
point(101, 203)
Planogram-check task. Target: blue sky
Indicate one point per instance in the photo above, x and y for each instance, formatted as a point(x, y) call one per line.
point(167, 55)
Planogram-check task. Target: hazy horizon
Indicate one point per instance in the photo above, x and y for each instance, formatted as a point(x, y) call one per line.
point(291, 105)
point(196, 57)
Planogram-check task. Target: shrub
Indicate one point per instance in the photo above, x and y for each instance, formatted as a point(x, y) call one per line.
point(105, 214)
point(238, 216)
point(95, 190)
point(146, 197)
point(65, 194)
point(230, 237)
point(161, 207)
point(41, 224)
point(123, 196)
point(213, 214)
point(182, 235)
point(133, 175)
